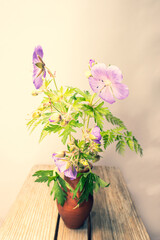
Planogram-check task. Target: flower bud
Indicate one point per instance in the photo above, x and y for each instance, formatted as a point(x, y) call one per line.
point(91, 63)
point(36, 114)
point(60, 154)
point(56, 117)
point(35, 93)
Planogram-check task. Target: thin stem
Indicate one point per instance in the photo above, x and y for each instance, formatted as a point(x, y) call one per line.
point(97, 101)
point(93, 96)
point(50, 102)
point(88, 121)
point(51, 74)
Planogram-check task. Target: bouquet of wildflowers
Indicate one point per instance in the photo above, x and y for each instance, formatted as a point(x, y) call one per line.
point(64, 110)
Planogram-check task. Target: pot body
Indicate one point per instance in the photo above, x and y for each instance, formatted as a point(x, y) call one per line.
point(74, 218)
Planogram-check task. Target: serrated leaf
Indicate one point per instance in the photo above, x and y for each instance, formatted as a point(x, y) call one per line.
point(75, 123)
point(62, 183)
point(114, 120)
point(59, 194)
point(98, 117)
point(130, 144)
point(53, 128)
point(120, 147)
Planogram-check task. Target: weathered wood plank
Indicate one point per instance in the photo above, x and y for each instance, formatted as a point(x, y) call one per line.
point(114, 215)
point(34, 213)
point(65, 233)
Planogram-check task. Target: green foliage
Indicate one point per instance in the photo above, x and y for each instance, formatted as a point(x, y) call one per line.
point(120, 147)
point(53, 128)
point(59, 194)
point(98, 112)
point(59, 187)
point(123, 137)
point(114, 120)
point(88, 182)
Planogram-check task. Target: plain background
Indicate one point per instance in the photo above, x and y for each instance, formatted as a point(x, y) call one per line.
point(125, 33)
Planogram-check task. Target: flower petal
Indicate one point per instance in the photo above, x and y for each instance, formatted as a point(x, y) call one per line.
point(106, 95)
point(37, 51)
point(99, 71)
point(61, 165)
point(38, 82)
point(71, 173)
point(97, 141)
point(120, 90)
point(114, 74)
point(44, 75)
point(35, 71)
point(95, 84)
point(96, 133)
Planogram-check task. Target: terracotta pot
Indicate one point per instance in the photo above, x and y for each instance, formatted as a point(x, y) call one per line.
point(74, 218)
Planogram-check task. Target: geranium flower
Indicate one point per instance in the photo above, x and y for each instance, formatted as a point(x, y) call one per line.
point(62, 166)
point(106, 82)
point(95, 132)
point(38, 67)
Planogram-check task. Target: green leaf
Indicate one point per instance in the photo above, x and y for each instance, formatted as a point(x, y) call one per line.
point(120, 147)
point(88, 110)
point(62, 183)
point(101, 110)
point(114, 120)
point(59, 194)
point(43, 135)
point(98, 117)
point(85, 94)
point(87, 183)
point(31, 122)
point(67, 131)
point(53, 128)
point(130, 144)
point(75, 123)
point(43, 173)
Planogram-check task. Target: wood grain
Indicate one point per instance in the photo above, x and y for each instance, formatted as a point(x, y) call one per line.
point(72, 234)
point(114, 215)
point(34, 213)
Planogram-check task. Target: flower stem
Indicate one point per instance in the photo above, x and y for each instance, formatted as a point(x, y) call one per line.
point(52, 75)
point(97, 101)
point(93, 96)
point(88, 121)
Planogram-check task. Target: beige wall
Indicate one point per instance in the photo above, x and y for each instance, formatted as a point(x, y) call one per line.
point(121, 32)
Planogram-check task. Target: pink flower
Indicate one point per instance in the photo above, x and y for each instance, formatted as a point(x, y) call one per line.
point(62, 166)
point(96, 133)
point(106, 82)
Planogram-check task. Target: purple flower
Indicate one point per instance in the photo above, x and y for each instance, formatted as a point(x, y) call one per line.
point(106, 82)
point(96, 133)
point(38, 67)
point(91, 62)
point(62, 167)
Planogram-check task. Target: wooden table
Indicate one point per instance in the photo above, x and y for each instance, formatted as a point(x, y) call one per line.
point(34, 214)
